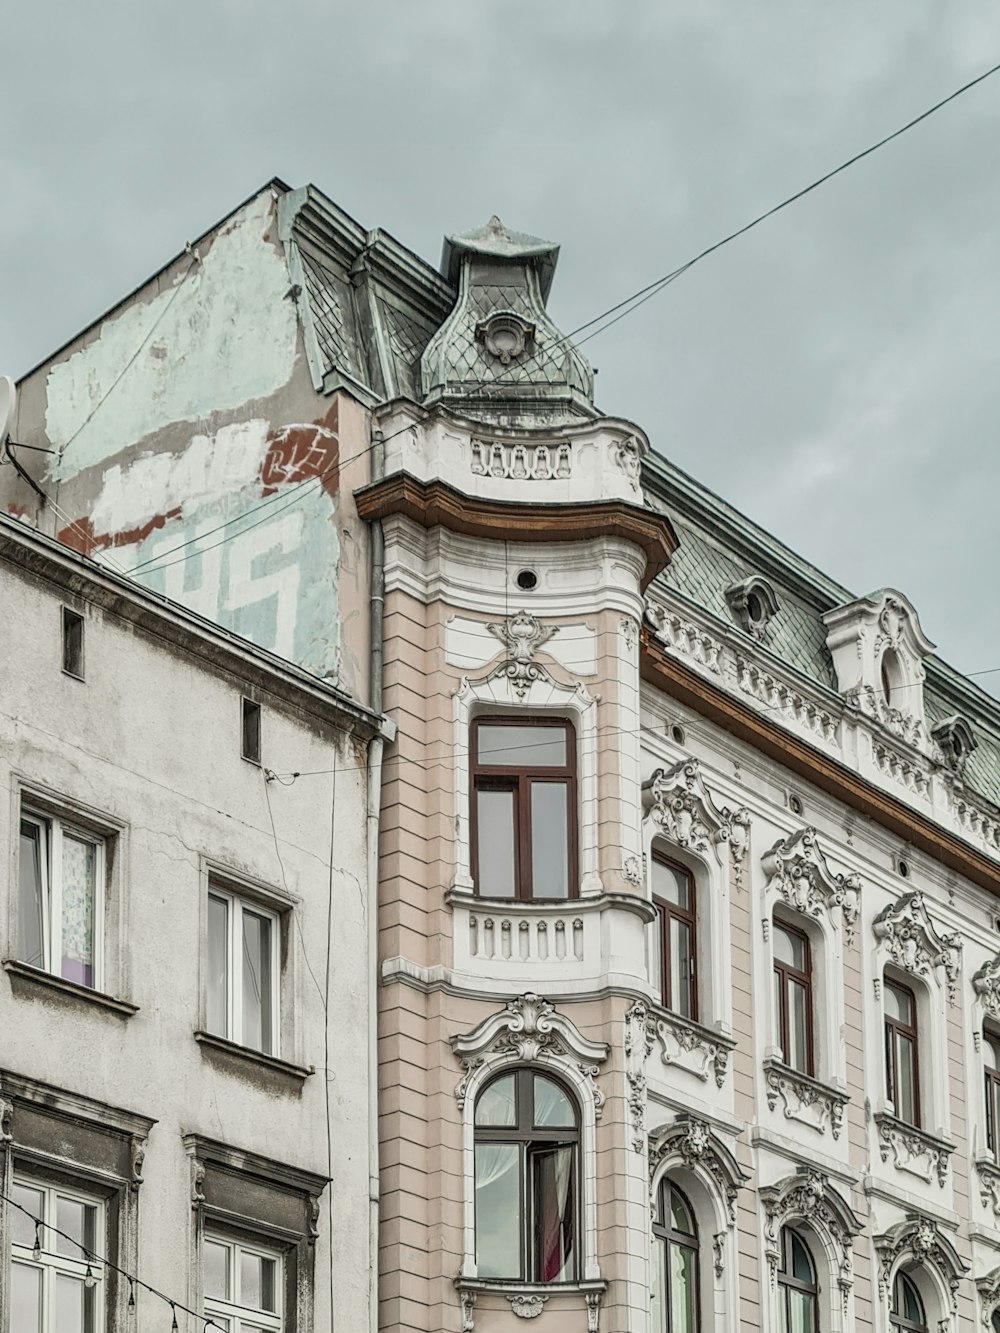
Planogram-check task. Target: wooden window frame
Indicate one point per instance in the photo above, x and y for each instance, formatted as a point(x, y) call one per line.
point(665, 1232)
point(666, 912)
point(894, 1029)
point(787, 1282)
point(786, 974)
point(519, 779)
point(992, 1090)
point(528, 1138)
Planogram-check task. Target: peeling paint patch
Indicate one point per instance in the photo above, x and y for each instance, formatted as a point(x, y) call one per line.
point(210, 469)
point(220, 336)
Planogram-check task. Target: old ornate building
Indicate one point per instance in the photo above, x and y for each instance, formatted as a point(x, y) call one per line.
point(688, 956)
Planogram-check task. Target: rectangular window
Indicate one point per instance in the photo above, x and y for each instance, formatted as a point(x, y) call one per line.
point(523, 809)
point(72, 643)
point(793, 1003)
point(251, 731)
point(243, 1287)
point(674, 969)
point(901, 1067)
point(55, 1286)
point(241, 1002)
point(60, 899)
point(991, 1060)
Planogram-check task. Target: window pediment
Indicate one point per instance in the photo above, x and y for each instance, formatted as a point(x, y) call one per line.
point(753, 604)
point(808, 1196)
point(878, 648)
point(690, 1142)
point(913, 944)
point(919, 1239)
point(798, 871)
point(529, 1029)
point(986, 984)
point(680, 805)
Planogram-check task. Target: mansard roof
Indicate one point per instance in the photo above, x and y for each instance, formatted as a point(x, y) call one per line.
point(720, 546)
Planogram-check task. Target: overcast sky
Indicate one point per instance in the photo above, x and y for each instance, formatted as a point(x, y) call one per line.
point(833, 374)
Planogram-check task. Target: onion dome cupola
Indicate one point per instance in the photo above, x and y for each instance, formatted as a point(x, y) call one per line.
point(498, 356)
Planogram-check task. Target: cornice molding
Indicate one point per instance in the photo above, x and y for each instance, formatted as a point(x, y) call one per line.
point(718, 706)
point(432, 503)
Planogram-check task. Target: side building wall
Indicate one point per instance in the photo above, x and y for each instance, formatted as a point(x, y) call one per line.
point(123, 1087)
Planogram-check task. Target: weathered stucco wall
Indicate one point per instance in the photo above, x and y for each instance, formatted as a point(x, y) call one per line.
point(189, 448)
point(149, 743)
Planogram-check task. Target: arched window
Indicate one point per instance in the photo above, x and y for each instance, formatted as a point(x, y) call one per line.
point(674, 1300)
point(527, 1139)
point(907, 1310)
point(797, 1281)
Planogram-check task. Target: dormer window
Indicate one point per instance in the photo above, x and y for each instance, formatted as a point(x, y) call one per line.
point(956, 740)
point(878, 649)
point(753, 605)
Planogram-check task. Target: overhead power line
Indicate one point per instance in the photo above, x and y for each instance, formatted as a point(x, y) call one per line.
point(603, 321)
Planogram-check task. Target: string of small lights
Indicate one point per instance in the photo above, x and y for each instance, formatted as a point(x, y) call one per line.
point(92, 1258)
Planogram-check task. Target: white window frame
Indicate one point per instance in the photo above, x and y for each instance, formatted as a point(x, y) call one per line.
point(234, 1313)
point(51, 829)
point(237, 904)
point(51, 1265)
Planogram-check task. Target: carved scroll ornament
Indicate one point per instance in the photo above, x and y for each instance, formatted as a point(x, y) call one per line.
point(798, 870)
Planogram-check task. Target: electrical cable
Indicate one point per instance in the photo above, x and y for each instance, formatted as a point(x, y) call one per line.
point(93, 1258)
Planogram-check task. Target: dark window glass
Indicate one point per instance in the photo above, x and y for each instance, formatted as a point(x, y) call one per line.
point(523, 809)
point(31, 895)
point(676, 925)
point(901, 1064)
point(797, 1285)
point(674, 1295)
point(793, 1003)
point(907, 1309)
point(991, 1061)
point(527, 1148)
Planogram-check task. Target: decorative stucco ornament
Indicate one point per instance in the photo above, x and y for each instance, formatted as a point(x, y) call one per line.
point(911, 941)
point(798, 871)
point(690, 1143)
point(986, 984)
point(529, 1030)
point(528, 1306)
point(920, 1239)
point(753, 604)
point(638, 1046)
point(506, 336)
point(522, 635)
point(628, 456)
point(955, 741)
point(678, 802)
point(809, 1196)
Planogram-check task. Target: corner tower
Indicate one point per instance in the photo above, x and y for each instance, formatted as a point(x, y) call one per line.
point(513, 917)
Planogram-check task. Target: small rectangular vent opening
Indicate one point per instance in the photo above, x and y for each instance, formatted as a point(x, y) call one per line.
point(72, 643)
point(251, 731)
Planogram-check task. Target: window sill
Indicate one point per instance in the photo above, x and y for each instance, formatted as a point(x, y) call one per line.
point(528, 1299)
point(913, 1149)
point(804, 1098)
point(598, 902)
point(33, 980)
point(689, 1045)
point(239, 1059)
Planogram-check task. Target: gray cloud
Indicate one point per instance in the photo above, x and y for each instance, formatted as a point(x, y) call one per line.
point(832, 374)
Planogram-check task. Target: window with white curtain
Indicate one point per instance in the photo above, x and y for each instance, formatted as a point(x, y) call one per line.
point(674, 1295)
point(527, 1140)
point(60, 903)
